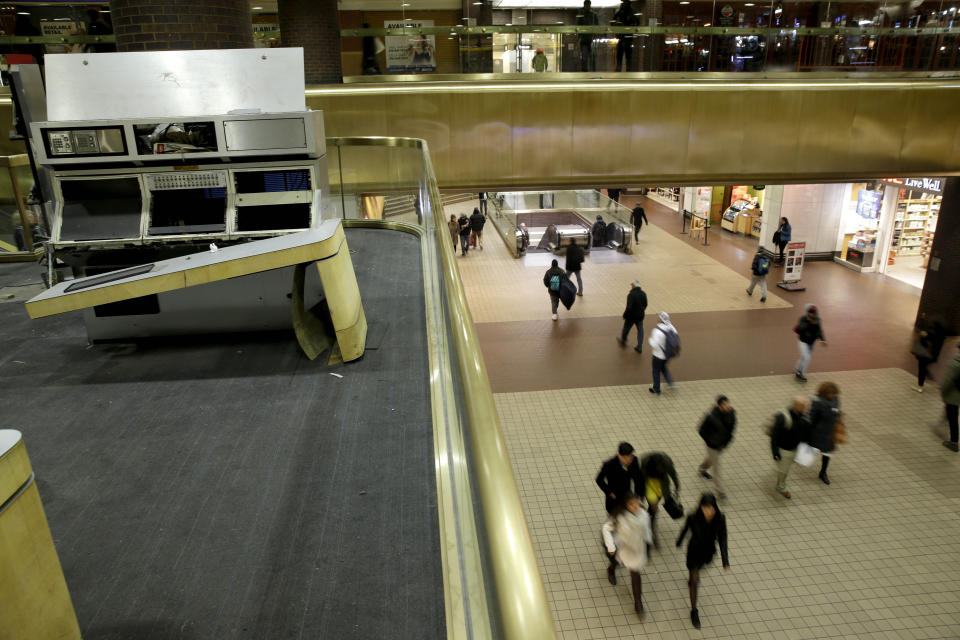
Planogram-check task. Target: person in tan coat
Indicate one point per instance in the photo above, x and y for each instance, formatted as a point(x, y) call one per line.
point(454, 230)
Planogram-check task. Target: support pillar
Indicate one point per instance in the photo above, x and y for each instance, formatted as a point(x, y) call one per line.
point(940, 287)
point(165, 25)
point(315, 26)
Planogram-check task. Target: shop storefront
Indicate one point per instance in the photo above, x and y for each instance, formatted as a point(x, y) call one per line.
point(743, 214)
point(862, 217)
point(914, 224)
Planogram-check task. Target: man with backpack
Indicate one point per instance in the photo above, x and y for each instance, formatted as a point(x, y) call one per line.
point(788, 430)
point(477, 220)
point(665, 342)
point(760, 268)
point(553, 280)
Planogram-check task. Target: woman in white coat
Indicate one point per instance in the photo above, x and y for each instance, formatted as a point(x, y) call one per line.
point(627, 535)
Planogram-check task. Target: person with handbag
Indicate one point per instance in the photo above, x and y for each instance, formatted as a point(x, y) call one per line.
point(788, 429)
point(717, 433)
point(824, 411)
point(626, 535)
point(658, 470)
point(927, 345)
point(782, 236)
point(708, 528)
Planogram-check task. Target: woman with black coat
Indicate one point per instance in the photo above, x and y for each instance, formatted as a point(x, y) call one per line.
point(707, 527)
point(927, 346)
point(823, 422)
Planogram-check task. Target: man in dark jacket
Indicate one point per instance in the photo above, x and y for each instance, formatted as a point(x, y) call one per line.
point(574, 263)
point(477, 221)
point(637, 218)
point(553, 280)
point(717, 432)
point(790, 428)
point(463, 222)
point(809, 329)
point(614, 480)
point(599, 232)
point(759, 269)
point(633, 315)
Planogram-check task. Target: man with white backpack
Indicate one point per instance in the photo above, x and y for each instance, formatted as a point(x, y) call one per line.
point(789, 428)
point(760, 269)
point(665, 342)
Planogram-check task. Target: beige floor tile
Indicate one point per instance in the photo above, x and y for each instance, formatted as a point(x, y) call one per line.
point(874, 555)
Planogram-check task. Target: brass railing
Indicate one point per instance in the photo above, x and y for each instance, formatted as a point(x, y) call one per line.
point(461, 411)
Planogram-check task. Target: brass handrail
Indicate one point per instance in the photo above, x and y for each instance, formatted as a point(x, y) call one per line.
point(521, 597)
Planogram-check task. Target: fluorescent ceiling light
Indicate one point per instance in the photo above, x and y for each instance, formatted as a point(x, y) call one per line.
point(257, 8)
point(23, 13)
point(748, 4)
point(687, 2)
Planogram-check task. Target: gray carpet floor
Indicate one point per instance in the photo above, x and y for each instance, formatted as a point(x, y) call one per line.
point(227, 487)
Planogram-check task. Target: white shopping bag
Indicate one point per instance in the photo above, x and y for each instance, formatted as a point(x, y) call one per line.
point(805, 455)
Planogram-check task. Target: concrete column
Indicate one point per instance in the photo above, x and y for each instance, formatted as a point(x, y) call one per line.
point(315, 26)
point(939, 297)
point(164, 25)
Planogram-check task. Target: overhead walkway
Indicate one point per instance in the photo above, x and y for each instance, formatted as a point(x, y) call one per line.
point(229, 487)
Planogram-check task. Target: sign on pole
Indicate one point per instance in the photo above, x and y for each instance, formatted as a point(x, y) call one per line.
point(793, 267)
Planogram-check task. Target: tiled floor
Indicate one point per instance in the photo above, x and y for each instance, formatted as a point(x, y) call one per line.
point(874, 555)
point(676, 277)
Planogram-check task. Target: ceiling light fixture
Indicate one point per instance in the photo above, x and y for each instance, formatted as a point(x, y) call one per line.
point(23, 13)
point(257, 8)
point(685, 2)
point(748, 4)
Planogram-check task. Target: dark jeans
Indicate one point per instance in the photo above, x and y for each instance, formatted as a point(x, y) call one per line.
point(554, 301)
point(782, 246)
point(624, 50)
point(483, 206)
point(636, 230)
point(922, 372)
point(586, 56)
point(629, 324)
point(464, 242)
point(952, 414)
point(660, 366)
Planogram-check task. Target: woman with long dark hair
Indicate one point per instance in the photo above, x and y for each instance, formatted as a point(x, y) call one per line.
point(707, 527)
point(824, 411)
point(782, 235)
point(626, 534)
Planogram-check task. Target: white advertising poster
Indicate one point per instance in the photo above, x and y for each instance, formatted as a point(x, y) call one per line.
point(794, 265)
point(702, 203)
point(412, 53)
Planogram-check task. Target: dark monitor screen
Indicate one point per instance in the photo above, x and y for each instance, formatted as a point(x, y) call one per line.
point(98, 209)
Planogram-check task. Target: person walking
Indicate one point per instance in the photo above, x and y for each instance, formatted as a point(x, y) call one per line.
point(539, 63)
point(637, 218)
point(717, 432)
point(927, 346)
point(624, 17)
point(524, 238)
point(454, 230)
point(617, 473)
point(658, 470)
point(809, 329)
point(463, 223)
point(633, 315)
point(782, 236)
point(760, 268)
point(368, 46)
point(587, 18)
point(708, 528)
point(950, 393)
point(789, 428)
point(599, 232)
point(574, 263)
point(824, 411)
point(626, 534)
point(482, 196)
point(553, 280)
point(614, 195)
point(665, 342)
point(477, 220)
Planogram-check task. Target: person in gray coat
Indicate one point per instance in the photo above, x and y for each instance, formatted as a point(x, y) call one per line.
point(824, 411)
point(950, 392)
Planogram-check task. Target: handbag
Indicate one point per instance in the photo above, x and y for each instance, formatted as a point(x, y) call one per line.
point(672, 507)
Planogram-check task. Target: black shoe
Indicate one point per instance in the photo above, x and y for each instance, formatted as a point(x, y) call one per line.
point(638, 349)
point(695, 618)
point(823, 476)
point(801, 377)
point(953, 446)
point(763, 299)
point(706, 475)
point(622, 342)
point(612, 574)
point(651, 390)
point(638, 607)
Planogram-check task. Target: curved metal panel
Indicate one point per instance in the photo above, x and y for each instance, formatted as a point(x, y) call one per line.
point(688, 130)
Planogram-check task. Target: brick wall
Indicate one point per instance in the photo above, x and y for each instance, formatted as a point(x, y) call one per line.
point(160, 25)
point(315, 26)
point(940, 295)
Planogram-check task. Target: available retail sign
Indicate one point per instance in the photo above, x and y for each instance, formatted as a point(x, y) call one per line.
point(412, 53)
point(930, 185)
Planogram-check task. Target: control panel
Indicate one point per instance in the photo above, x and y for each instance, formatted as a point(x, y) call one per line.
point(80, 143)
point(186, 180)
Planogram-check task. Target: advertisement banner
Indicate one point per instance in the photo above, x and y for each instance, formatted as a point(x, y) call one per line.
point(794, 261)
point(868, 204)
point(412, 53)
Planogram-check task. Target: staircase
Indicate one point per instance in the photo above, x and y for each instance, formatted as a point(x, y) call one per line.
point(402, 205)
